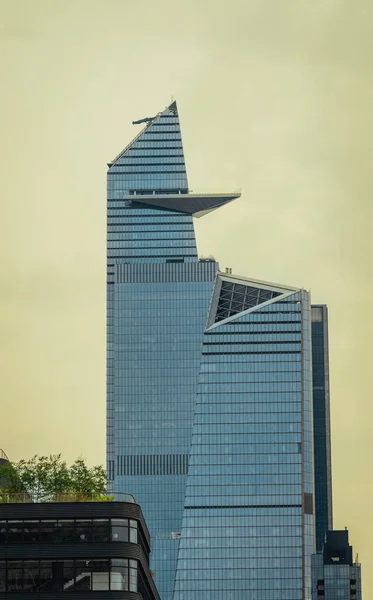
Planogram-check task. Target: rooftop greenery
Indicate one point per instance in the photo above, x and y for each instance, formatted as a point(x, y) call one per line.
point(51, 479)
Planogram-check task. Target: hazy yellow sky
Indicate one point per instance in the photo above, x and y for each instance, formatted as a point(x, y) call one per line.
point(275, 96)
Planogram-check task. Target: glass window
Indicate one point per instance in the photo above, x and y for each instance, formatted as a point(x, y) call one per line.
point(15, 576)
point(83, 530)
point(66, 530)
point(119, 574)
point(133, 576)
point(2, 576)
point(119, 530)
point(2, 532)
point(15, 529)
point(100, 574)
point(46, 575)
point(48, 530)
point(83, 570)
point(31, 531)
point(133, 532)
point(100, 530)
point(68, 575)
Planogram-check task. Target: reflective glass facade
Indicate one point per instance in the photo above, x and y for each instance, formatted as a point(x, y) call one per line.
point(248, 520)
point(321, 423)
point(158, 299)
point(209, 392)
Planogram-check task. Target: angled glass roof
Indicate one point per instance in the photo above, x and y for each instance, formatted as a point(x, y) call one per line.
point(234, 295)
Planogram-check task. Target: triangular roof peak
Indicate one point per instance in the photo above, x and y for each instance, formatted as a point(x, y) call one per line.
point(170, 110)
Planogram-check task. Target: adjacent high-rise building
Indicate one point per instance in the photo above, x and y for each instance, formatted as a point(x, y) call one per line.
point(208, 389)
point(248, 521)
point(335, 576)
point(321, 423)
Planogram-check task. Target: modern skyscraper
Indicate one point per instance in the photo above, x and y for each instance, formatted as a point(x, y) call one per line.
point(247, 527)
point(334, 574)
point(321, 423)
point(209, 391)
point(157, 301)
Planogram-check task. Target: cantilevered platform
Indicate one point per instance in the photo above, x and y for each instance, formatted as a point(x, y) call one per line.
point(197, 205)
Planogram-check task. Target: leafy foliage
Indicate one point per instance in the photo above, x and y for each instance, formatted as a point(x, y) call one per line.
point(49, 478)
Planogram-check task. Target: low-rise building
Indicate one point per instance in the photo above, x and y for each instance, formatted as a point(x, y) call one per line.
point(47, 549)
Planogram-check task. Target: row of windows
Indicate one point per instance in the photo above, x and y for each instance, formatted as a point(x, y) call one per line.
point(261, 352)
point(241, 445)
point(264, 337)
point(15, 531)
point(169, 464)
point(145, 170)
point(68, 575)
point(150, 160)
point(249, 387)
point(155, 252)
point(130, 228)
point(168, 125)
point(249, 470)
point(158, 136)
point(153, 244)
point(251, 377)
point(154, 149)
point(250, 367)
point(148, 235)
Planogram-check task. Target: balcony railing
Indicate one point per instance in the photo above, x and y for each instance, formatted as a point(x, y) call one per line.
point(26, 498)
point(3, 455)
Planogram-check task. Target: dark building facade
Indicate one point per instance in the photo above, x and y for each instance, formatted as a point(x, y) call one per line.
point(321, 423)
point(88, 549)
point(334, 574)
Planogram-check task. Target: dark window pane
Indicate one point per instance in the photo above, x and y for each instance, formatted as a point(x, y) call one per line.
point(83, 530)
point(15, 531)
point(45, 580)
point(31, 531)
point(68, 576)
point(83, 574)
point(66, 530)
point(2, 532)
point(100, 530)
point(48, 530)
point(2, 576)
point(31, 575)
point(15, 575)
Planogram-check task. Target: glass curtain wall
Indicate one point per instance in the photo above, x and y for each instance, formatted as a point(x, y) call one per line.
point(158, 296)
point(248, 519)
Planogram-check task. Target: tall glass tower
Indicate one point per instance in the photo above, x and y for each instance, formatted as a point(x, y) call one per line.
point(158, 295)
point(208, 391)
point(248, 520)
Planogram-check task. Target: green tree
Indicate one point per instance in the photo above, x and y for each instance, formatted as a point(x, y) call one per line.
point(49, 478)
